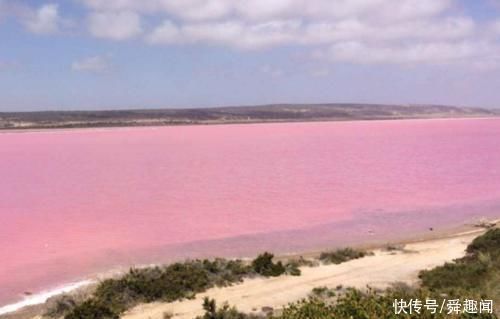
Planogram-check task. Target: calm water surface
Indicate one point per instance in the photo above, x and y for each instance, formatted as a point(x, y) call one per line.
point(74, 202)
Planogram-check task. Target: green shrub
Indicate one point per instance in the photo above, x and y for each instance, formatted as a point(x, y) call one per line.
point(92, 309)
point(489, 242)
point(292, 268)
point(169, 283)
point(341, 255)
point(303, 262)
point(323, 292)
point(478, 272)
point(225, 312)
point(455, 275)
point(224, 272)
point(265, 266)
point(61, 306)
point(353, 304)
point(311, 309)
point(356, 304)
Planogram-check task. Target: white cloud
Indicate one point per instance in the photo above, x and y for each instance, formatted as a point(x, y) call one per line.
point(257, 24)
point(278, 9)
point(197, 9)
point(259, 35)
point(229, 33)
point(415, 53)
point(245, 36)
point(119, 25)
point(94, 64)
point(44, 20)
point(120, 5)
point(354, 31)
point(166, 33)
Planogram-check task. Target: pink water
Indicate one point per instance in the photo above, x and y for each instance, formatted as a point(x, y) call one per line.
point(72, 202)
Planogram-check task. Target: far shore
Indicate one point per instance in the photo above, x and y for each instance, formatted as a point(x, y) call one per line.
point(414, 253)
point(124, 126)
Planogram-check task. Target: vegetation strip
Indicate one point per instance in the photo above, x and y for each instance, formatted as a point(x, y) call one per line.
point(112, 297)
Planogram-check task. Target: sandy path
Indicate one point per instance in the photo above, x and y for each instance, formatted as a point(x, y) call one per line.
point(379, 270)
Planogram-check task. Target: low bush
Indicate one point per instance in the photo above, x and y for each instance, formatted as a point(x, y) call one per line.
point(455, 275)
point(224, 312)
point(292, 268)
point(352, 304)
point(487, 243)
point(170, 283)
point(323, 292)
point(92, 309)
point(264, 265)
point(60, 306)
point(341, 255)
point(369, 305)
point(478, 272)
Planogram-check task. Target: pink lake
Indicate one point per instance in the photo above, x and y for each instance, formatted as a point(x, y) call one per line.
point(77, 202)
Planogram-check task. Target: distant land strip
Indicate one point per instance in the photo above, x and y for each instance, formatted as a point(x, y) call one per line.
point(234, 114)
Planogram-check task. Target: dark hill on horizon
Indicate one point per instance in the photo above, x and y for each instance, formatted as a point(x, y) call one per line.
point(234, 114)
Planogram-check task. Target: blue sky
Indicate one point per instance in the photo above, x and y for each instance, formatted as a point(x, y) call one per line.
point(107, 54)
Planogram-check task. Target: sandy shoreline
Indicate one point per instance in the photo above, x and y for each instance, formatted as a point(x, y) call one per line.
point(422, 251)
point(42, 297)
point(378, 271)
